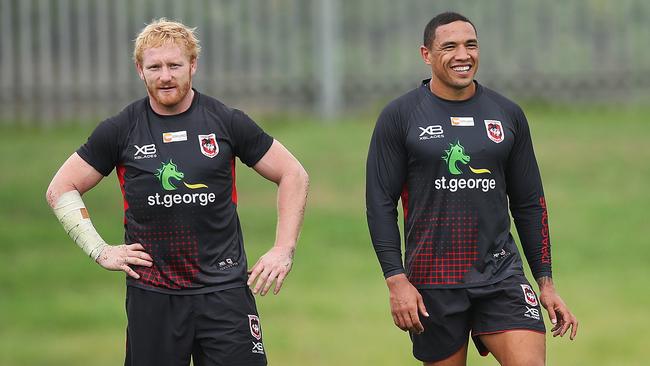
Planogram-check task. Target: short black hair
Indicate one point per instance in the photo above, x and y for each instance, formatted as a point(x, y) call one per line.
point(442, 19)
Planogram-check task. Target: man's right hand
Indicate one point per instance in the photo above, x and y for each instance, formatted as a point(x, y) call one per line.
point(118, 258)
point(405, 303)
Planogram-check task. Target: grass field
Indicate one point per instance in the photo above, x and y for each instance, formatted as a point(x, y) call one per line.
point(59, 308)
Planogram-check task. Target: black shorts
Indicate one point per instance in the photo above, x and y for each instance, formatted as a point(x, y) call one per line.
point(218, 328)
point(453, 313)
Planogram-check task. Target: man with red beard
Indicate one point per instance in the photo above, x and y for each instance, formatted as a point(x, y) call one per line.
point(460, 157)
point(188, 285)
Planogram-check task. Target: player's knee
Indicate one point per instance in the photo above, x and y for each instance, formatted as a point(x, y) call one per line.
point(525, 360)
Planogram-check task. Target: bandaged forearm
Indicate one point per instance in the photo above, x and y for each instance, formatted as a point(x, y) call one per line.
point(73, 215)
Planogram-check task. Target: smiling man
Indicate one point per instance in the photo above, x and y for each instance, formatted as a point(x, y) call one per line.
point(459, 155)
point(174, 153)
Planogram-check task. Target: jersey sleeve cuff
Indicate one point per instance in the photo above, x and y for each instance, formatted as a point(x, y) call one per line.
point(267, 142)
point(393, 272)
point(539, 275)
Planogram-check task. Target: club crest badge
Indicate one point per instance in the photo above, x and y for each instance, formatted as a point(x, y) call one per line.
point(494, 130)
point(209, 145)
point(529, 295)
point(254, 323)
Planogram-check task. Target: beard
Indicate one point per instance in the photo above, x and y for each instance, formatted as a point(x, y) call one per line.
point(170, 97)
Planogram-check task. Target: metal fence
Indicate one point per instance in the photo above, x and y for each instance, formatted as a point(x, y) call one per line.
point(70, 60)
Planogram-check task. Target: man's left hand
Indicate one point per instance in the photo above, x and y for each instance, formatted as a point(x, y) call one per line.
point(558, 312)
point(275, 265)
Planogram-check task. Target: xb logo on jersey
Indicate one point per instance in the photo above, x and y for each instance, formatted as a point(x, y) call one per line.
point(431, 132)
point(168, 172)
point(145, 152)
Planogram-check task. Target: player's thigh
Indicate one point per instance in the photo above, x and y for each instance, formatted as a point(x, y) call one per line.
point(457, 359)
point(446, 330)
point(508, 315)
point(228, 330)
point(159, 330)
point(517, 347)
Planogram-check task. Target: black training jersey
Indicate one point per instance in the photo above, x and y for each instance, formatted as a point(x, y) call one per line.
point(455, 165)
point(177, 175)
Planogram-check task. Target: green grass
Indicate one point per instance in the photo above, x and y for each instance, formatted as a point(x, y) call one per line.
point(58, 308)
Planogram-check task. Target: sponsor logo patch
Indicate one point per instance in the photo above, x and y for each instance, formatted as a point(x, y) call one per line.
point(209, 145)
point(145, 152)
point(174, 136)
point(431, 132)
point(456, 155)
point(169, 176)
point(254, 324)
point(529, 295)
point(462, 121)
point(227, 264)
point(532, 313)
point(500, 255)
point(258, 347)
point(168, 173)
point(455, 158)
point(494, 130)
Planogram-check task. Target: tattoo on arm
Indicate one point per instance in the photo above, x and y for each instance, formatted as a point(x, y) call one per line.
point(544, 281)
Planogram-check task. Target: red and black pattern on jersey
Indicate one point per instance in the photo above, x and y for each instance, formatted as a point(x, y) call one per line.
point(119, 170)
point(182, 247)
point(459, 168)
point(447, 244)
point(177, 176)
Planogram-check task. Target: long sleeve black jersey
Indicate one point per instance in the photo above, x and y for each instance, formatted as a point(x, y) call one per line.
point(456, 165)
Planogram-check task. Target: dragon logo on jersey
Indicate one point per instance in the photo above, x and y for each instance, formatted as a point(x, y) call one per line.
point(455, 158)
point(168, 172)
point(456, 154)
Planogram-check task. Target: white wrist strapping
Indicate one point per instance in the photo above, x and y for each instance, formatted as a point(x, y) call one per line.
point(73, 215)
